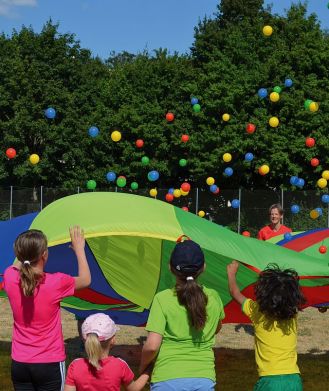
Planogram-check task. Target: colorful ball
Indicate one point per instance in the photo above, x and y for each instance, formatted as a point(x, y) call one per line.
point(246, 233)
point(294, 180)
point(322, 249)
point(287, 236)
point(248, 156)
point(121, 181)
point(309, 142)
point(185, 138)
point(177, 193)
point(10, 153)
point(262, 93)
point(314, 107)
point(314, 214)
point(134, 185)
point(228, 171)
point(185, 186)
point(139, 143)
point(322, 183)
point(196, 108)
point(201, 213)
point(264, 169)
point(169, 197)
point(314, 162)
point(182, 162)
point(93, 131)
point(170, 117)
point(50, 113)
point(325, 174)
point(116, 136)
point(235, 203)
point(153, 175)
point(194, 101)
point(227, 157)
point(185, 208)
point(34, 159)
point(91, 184)
point(274, 97)
point(226, 117)
point(153, 192)
point(213, 188)
point(267, 31)
point(145, 160)
point(210, 181)
point(300, 182)
point(250, 128)
point(274, 122)
point(111, 176)
point(277, 89)
point(184, 193)
point(325, 198)
point(288, 83)
point(295, 209)
point(307, 104)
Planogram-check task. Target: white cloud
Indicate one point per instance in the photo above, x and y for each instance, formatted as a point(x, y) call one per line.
point(7, 7)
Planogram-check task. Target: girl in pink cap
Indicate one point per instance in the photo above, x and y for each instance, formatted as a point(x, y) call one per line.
point(100, 371)
point(38, 355)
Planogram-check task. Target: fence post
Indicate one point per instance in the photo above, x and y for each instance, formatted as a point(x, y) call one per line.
point(197, 201)
point(11, 203)
point(282, 203)
point(239, 211)
point(78, 189)
point(41, 197)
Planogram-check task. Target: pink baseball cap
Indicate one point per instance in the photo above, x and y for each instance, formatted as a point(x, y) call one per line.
point(101, 325)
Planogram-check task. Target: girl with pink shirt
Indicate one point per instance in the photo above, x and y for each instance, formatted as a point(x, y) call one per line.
point(100, 371)
point(38, 355)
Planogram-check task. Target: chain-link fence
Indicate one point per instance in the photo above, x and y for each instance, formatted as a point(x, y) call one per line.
point(250, 215)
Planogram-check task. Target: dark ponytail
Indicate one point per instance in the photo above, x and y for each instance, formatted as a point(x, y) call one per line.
point(191, 295)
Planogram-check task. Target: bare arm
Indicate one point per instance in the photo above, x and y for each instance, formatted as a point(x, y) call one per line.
point(150, 350)
point(69, 388)
point(78, 245)
point(138, 384)
point(235, 292)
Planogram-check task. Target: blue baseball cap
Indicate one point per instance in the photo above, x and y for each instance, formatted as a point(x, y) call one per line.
point(187, 257)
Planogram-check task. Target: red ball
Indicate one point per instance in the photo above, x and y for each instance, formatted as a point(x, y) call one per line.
point(260, 171)
point(10, 153)
point(169, 197)
point(139, 143)
point(217, 191)
point(315, 162)
point(170, 117)
point(185, 186)
point(250, 128)
point(322, 249)
point(310, 142)
point(246, 233)
point(185, 208)
point(185, 138)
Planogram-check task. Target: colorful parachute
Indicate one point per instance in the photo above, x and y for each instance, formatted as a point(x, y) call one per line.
point(129, 241)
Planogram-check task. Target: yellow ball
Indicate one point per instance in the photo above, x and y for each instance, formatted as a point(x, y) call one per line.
point(34, 159)
point(267, 31)
point(314, 106)
point(183, 193)
point(226, 117)
point(274, 122)
point(177, 193)
point(322, 183)
point(274, 96)
point(264, 169)
point(116, 136)
point(325, 174)
point(314, 214)
point(153, 192)
point(210, 181)
point(201, 213)
point(227, 157)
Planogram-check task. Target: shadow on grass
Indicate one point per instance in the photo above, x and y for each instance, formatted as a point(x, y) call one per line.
point(236, 370)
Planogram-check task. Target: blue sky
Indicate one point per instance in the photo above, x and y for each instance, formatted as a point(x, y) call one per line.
point(131, 25)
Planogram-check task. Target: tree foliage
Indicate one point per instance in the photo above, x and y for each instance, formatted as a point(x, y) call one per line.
point(229, 61)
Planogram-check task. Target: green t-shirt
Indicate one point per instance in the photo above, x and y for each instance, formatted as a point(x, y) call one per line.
point(184, 352)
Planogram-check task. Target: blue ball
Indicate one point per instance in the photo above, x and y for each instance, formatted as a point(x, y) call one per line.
point(213, 188)
point(111, 176)
point(300, 182)
point(262, 93)
point(153, 175)
point(194, 101)
point(248, 157)
point(228, 171)
point(319, 210)
point(93, 131)
point(50, 113)
point(288, 83)
point(235, 203)
point(294, 180)
point(171, 190)
point(287, 236)
point(325, 198)
point(295, 209)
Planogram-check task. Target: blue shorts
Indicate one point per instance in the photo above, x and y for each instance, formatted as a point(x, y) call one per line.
point(184, 384)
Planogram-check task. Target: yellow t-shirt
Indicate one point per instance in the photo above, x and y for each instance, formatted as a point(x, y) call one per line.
point(275, 342)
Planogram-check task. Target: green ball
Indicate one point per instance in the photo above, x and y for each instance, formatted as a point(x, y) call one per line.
point(121, 181)
point(91, 184)
point(182, 162)
point(196, 108)
point(145, 160)
point(134, 185)
point(277, 89)
point(307, 103)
